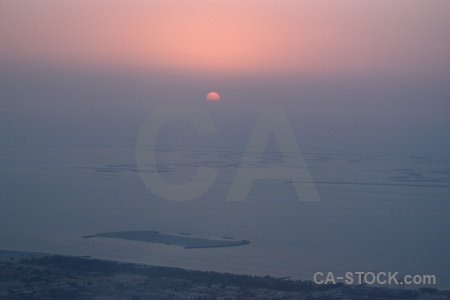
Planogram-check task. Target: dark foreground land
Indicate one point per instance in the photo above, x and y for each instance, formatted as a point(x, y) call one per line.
point(31, 276)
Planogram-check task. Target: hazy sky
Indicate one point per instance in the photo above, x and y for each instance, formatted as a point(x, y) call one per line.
point(351, 75)
point(300, 37)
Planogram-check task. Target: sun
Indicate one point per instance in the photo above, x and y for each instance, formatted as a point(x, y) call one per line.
point(213, 96)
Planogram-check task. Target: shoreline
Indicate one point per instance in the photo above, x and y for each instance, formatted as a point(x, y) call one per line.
point(52, 276)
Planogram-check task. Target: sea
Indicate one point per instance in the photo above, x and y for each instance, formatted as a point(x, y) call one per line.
point(374, 212)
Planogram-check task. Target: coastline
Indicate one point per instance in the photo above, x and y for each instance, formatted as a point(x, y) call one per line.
point(49, 276)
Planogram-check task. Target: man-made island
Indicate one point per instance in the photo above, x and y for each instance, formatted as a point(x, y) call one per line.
point(187, 241)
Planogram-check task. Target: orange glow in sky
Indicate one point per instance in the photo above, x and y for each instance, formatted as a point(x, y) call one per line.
point(229, 36)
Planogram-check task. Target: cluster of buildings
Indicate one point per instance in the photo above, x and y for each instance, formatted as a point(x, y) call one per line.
point(21, 279)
